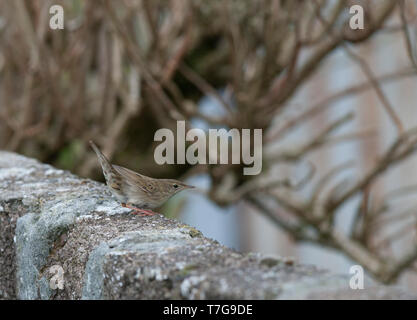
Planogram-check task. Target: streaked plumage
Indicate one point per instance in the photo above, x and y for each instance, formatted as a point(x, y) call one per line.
point(132, 188)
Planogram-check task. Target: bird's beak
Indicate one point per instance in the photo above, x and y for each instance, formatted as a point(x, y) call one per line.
point(189, 187)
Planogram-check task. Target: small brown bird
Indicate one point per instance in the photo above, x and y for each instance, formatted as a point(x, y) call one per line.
point(134, 190)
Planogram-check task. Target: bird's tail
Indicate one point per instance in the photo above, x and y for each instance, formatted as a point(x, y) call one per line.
point(104, 162)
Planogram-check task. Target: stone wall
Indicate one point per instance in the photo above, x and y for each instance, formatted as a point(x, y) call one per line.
point(52, 220)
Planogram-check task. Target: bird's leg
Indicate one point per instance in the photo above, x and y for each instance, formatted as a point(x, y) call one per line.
point(141, 212)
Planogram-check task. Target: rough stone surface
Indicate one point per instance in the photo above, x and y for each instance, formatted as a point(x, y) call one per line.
point(50, 219)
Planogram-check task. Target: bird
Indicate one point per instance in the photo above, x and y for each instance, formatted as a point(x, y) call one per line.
point(135, 191)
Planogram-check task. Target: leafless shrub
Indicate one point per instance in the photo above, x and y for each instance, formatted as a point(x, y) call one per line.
point(120, 70)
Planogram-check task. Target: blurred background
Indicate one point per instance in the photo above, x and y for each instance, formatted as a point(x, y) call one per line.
point(337, 107)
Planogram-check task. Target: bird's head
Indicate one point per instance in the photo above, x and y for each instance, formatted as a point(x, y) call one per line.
point(172, 186)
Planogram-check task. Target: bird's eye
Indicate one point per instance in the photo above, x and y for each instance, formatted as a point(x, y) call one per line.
point(175, 186)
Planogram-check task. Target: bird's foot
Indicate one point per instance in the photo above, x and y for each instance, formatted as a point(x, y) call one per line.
point(143, 212)
point(138, 211)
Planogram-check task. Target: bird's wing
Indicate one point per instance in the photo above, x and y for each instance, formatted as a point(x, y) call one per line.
point(134, 179)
